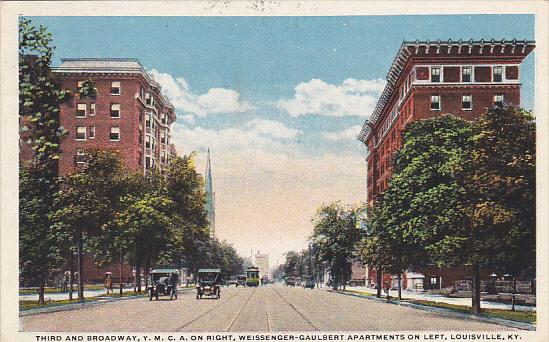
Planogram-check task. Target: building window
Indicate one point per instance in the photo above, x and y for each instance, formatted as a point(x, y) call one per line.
point(80, 132)
point(466, 102)
point(435, 74)
point(148, 162)
point(140, 136)
point(92, 132)
point(497, 74)
point(435, 102)
point(498, 99)
point(80, 156)
point(92, 109)
point(148, 99)
point(81, 110)
point(115, 133)
point(140, 116)
point(148, 120)
point(164, 118)
point(434, 280)
point(141, 92)
point(115, 110)
point(466, 74)
point(115, 88)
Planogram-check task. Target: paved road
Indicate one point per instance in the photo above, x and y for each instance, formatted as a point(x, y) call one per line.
point(270, 308)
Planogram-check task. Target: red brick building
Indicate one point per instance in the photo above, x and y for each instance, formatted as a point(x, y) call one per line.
point(428, 79)
point(129, 113)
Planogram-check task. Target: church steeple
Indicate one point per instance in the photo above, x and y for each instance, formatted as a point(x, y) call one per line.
point(210, 197)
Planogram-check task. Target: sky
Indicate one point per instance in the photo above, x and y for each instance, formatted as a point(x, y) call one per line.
point(278, 100)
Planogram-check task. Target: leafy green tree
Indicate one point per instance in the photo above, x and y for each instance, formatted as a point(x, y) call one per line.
point(39, 95)
point(185, 187)
point(86, 202)
point(39, 99)
point(500, 209)
point(37, 248)
point(144, 228)
point(337, 234)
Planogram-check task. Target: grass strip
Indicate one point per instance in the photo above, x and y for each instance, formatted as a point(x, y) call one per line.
point(517, 316)
point(34, 304)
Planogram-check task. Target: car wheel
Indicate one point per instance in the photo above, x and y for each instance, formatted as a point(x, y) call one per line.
point(150, 295)
point(172, 294)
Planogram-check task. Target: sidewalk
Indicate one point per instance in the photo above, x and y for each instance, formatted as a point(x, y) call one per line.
point(443, 299)
point(62, 296)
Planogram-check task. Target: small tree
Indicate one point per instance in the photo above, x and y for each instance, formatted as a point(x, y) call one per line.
point(87, 200)
point(336, 233)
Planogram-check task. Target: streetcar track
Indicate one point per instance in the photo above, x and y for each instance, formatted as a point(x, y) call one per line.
point(204, 314)
point(240, 311)
point(267, 314)
point(307, 320)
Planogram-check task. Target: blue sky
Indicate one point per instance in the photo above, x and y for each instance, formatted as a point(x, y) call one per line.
point(278, 99)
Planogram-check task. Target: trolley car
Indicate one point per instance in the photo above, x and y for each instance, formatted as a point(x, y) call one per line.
point(252, 276)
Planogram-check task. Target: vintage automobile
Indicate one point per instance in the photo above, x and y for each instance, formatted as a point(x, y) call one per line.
point(265, 280)
point(209, 280)
point(289, 281)
point(309, 284)
point(163, 281)
point(232, 281)
point(240, 280)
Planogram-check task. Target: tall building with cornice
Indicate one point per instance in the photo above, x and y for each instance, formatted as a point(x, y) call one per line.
point(428, 79)
point(431, 78)
point(129, 114)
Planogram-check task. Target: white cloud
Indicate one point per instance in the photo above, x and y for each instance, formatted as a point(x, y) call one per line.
point(216, 100)
point(351, 98)
point(350, 133)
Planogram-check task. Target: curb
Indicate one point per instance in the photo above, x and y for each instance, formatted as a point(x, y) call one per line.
point(448, 312)
point(76, 306)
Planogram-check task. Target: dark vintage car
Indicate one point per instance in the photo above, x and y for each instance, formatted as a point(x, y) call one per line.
point(290, 281)
point(232, 281)
point(240, 280)
point(208, 283)
point(163, 282)
point(309, 284)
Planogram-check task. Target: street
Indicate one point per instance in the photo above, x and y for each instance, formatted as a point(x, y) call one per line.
point(266, 308)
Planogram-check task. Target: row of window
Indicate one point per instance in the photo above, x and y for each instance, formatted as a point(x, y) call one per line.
point(466, 101)
point(466, 74)
point(82, 110)
point(83, 133)
point(115, 87)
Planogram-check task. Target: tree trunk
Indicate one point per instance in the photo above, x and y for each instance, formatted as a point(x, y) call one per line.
point(138, 278)
point(41, 286)
point(71, 275)
point(120, 272)
point(514, 291)
point(400, 286)
point(378, 282)
point(80, 269)
point(475, 305)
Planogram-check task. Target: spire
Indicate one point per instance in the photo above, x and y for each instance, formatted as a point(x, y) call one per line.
point(210, 197)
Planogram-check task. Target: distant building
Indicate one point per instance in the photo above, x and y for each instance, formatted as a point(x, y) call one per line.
point(210, 198)
point(129, 114)
point(428, 79)
point(262, 262)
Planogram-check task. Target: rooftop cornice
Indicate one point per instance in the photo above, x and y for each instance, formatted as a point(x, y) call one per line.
point(112, 69)
point(409, 49)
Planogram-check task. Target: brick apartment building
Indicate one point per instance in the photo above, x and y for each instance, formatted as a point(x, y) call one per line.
point(129, 113)
point(428, 79)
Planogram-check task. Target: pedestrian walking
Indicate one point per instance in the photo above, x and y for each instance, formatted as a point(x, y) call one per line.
point(108, 283)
